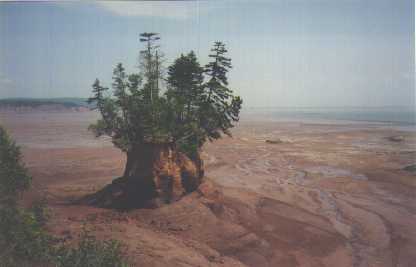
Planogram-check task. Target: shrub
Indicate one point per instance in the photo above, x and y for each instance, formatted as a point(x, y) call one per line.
point(23, 240)
point(91, 252)
point(14, 178)
point(40, 211)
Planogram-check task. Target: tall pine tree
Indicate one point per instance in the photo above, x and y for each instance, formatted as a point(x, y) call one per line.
point(220, 108)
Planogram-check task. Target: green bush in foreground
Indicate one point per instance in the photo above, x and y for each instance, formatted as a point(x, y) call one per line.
point(91, 252)
point(14, 178)
point(23, 240)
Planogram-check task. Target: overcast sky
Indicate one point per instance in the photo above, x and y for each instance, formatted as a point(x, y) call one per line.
point(285, 53)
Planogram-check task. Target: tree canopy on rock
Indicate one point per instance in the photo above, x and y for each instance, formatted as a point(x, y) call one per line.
point(189, 106)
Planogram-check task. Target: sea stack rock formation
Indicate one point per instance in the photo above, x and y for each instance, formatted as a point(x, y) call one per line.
point(155, 174)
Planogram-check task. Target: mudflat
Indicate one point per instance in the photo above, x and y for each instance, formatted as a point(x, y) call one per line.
point(279, 193)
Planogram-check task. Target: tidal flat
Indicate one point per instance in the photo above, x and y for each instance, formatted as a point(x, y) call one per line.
point(327, 194)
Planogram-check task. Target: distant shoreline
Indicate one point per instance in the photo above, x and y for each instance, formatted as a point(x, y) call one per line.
point(383, 115)
point(389, 116)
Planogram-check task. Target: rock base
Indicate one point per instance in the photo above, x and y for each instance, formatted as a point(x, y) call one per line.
point(155, 174)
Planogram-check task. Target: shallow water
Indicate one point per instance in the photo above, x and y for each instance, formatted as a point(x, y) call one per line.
point(403, 119)
point(332, 172)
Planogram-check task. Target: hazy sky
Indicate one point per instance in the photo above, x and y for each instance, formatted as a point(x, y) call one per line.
point(285, 53)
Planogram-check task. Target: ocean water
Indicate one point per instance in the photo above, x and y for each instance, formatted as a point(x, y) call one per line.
point(398, 116)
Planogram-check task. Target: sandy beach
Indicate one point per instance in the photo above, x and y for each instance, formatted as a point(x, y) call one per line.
point(316, 194)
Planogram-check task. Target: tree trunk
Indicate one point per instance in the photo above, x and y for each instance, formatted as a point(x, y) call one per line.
point(154, 174)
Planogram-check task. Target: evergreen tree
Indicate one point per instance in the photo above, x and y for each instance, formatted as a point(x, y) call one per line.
point(185, 78)
point(140, 120)
point(150, 65)
point(220, 107)
point(22, 239)
point(98, 92)
point(218, 68)
point(14, 178)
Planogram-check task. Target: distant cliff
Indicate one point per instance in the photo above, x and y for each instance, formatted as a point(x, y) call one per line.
point(43, 104)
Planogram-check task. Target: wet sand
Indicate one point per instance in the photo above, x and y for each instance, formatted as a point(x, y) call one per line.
point(328, 194)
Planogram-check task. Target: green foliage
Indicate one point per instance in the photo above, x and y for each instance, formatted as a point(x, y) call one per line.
point(151, 65)
point(218, 68)
point(185, 77)
point(220, 108)
point(190, 111)
point(14, 178)
point(185, 96)
point(40, 211)
point(23, 239)
point(23, 242)
point(90, 252)
point(98, 91)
